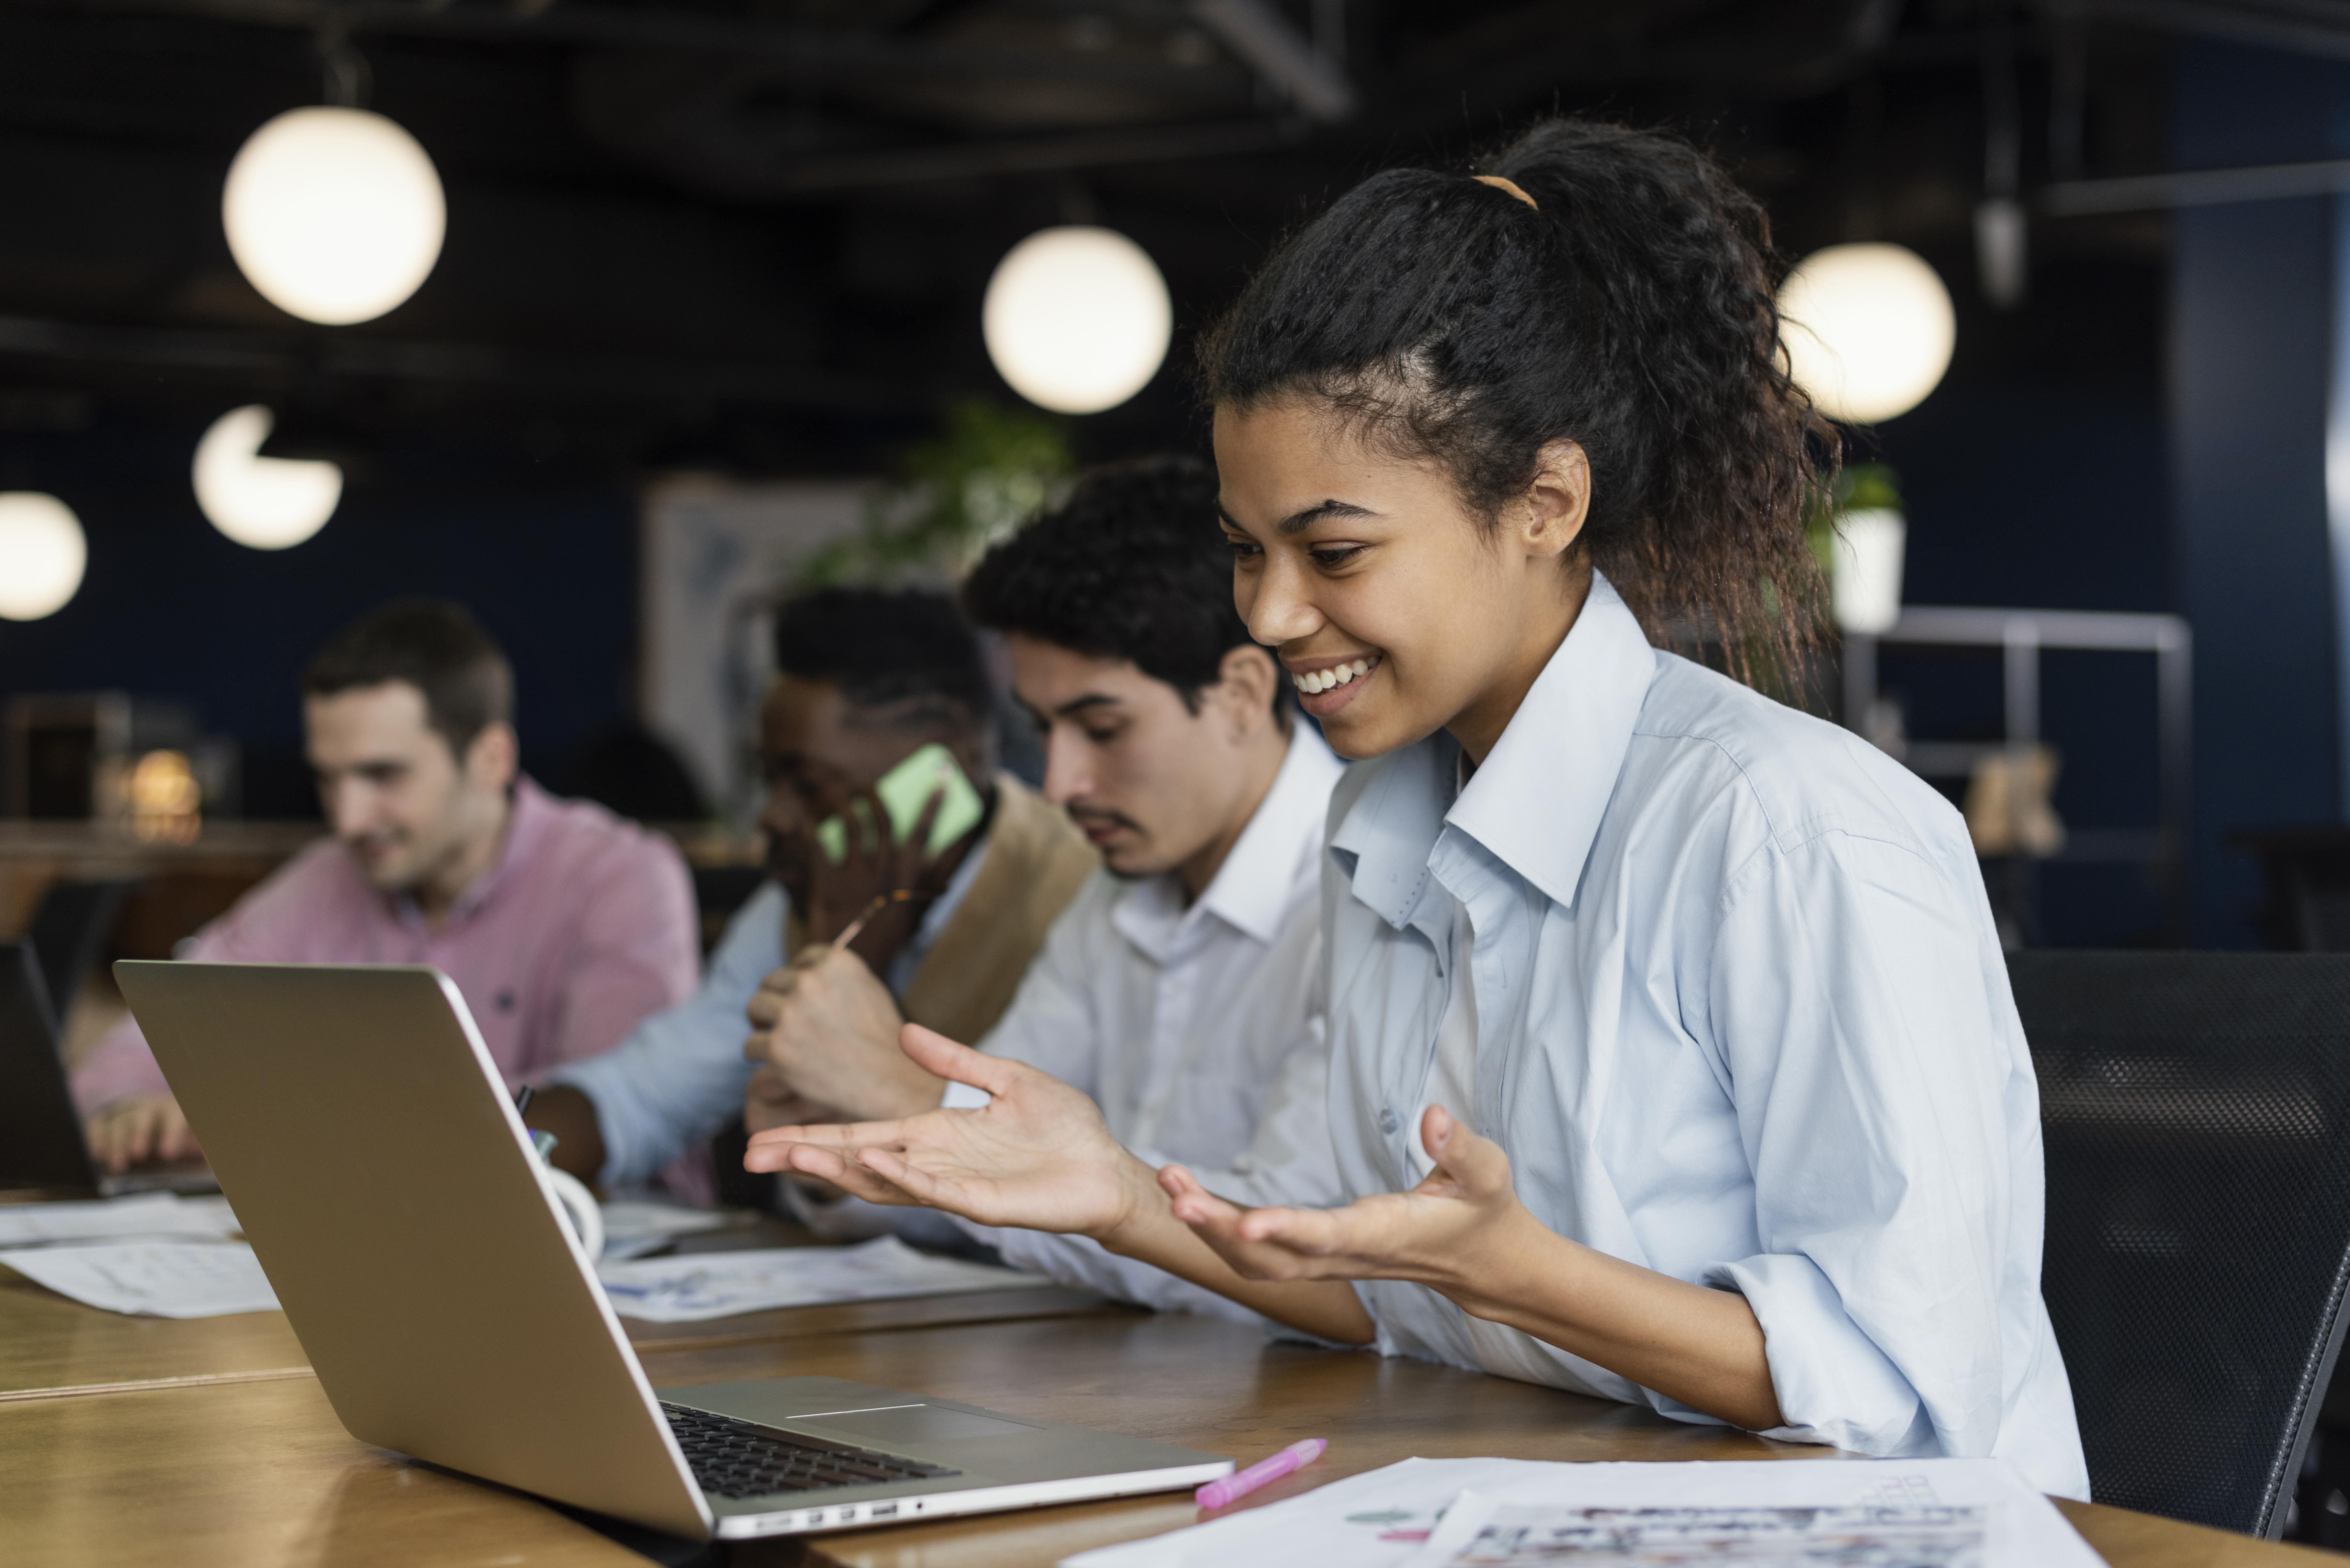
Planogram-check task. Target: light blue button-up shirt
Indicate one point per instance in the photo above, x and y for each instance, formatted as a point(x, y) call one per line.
point(667, 1088)
point(1742, 1018)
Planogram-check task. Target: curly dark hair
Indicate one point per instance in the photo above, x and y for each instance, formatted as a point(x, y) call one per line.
point(1131, 566)
point(1630, 311)
point(881, 645)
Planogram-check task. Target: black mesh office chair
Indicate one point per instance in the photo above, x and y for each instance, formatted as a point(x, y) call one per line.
point(70, 932)
point(2194, 1107)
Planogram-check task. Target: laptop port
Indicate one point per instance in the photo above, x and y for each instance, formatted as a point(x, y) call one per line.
point(882, 1510)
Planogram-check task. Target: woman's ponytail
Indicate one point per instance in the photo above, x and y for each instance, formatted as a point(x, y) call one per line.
point(1625, 303)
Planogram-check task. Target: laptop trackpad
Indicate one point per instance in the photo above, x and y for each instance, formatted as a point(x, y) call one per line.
point(913, 1424)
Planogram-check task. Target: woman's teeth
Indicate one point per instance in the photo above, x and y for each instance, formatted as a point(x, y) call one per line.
point(1315, 681)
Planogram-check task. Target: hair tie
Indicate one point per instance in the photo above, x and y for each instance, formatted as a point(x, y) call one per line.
point(1498, 183)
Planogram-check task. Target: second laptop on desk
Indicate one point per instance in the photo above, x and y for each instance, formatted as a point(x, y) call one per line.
point(41, 1142)
point(380, 1171)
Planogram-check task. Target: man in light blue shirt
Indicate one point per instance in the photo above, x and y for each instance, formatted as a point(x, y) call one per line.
point(867, 679)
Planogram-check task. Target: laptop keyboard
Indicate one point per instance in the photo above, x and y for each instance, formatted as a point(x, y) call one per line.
point(737, 1459)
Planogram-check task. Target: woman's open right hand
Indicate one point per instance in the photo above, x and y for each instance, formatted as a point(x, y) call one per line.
point(1036, 1155)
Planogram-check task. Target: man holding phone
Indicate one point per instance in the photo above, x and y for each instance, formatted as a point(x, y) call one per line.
point(880, 711)
point(1177, 988)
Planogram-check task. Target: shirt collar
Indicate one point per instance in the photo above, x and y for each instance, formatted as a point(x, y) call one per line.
point(1253, 889)
point(1537, 802)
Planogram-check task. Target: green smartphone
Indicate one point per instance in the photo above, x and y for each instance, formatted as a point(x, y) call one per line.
point(905, 790)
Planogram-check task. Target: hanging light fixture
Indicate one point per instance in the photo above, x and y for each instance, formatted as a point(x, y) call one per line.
point(1868, 330)
point(335, 215)
point(42, 555)
point(266, 503)
point(1076, 318)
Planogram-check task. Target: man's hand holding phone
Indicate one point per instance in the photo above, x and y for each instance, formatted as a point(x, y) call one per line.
point(901, 835)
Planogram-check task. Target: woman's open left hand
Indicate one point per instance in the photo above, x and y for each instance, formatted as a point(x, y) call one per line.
point(1449, 1231)
point(1036, 1155)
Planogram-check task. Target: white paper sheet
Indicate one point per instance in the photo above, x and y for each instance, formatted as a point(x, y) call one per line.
point(1441, 1513)
point(719, 1284)
point(634, 1227)
point(151, 1279)
point(108, 1219)
point(1484, 1532)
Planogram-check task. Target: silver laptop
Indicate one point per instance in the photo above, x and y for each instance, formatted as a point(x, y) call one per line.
point(379, 1169)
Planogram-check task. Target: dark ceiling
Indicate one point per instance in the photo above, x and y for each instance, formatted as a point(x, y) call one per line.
point(754, 234)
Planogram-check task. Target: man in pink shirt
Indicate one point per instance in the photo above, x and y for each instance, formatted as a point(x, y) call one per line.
point(562, 924)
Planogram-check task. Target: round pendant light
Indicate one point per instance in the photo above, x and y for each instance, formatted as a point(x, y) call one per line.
point(42, 555)
point(335, 215)
point(1076, 318)
point(266, 503)
point(1868, 330)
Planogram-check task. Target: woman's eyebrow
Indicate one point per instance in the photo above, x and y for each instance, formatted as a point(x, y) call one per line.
point(1298, 522)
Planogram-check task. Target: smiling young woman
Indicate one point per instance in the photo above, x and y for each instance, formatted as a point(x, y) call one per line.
point(1672, 1057)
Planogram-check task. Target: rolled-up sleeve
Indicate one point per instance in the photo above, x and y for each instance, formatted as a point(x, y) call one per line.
point(677, 1077)
point(1869, 1068)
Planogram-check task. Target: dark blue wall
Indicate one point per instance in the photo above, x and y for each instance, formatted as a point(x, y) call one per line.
point(2030, 486)
point(2252, 342)
point(171, 608)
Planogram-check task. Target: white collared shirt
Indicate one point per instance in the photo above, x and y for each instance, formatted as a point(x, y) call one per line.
point(1193, 1028)
point(1742, 1017)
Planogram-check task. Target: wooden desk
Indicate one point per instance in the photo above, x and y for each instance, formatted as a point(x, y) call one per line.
point(260, 1473)
point(51, 1347)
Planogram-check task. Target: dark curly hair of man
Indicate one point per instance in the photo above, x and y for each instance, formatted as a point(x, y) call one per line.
point(883, 646)
point(1131, 566)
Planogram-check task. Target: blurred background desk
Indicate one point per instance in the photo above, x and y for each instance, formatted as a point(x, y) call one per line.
point(181, 886)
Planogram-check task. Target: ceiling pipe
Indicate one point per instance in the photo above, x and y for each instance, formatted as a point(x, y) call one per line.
point(1263, 37)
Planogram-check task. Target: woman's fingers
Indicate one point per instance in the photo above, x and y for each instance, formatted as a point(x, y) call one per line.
point(919, 1186)
point(1476, 1165)
point(934, 1053)
point(854, 1179)
point(1194, 1204)
point(765, 1151)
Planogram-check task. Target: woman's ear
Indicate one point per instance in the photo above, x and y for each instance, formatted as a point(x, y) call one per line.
point(1245, 681)
point(1558, 501)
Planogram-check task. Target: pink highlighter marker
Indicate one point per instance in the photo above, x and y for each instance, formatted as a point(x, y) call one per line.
point(1232, 1488)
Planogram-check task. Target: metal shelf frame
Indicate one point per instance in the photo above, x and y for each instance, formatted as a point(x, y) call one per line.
point(2021, 635)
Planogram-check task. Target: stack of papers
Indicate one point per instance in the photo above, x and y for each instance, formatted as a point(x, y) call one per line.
point(110, 1219)
point(719, 1284)
point(151, 1279)
point(634, 1226)
point(158, 1254)
point(1502, 1513)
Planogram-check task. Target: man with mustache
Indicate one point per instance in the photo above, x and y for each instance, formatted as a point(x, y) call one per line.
point(865, 679)
point(1176, 988)
point(562, 924)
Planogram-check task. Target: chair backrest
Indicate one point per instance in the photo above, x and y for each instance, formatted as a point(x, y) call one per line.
point(2195, 1108)
point(68, 933)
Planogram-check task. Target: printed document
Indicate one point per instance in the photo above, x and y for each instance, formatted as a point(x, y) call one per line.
point(108, 1219)
point(719, 1284)
point(1790, 1513)
point(152, 1279)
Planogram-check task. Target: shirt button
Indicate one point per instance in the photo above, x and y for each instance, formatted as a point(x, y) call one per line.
point(1388, 1122)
